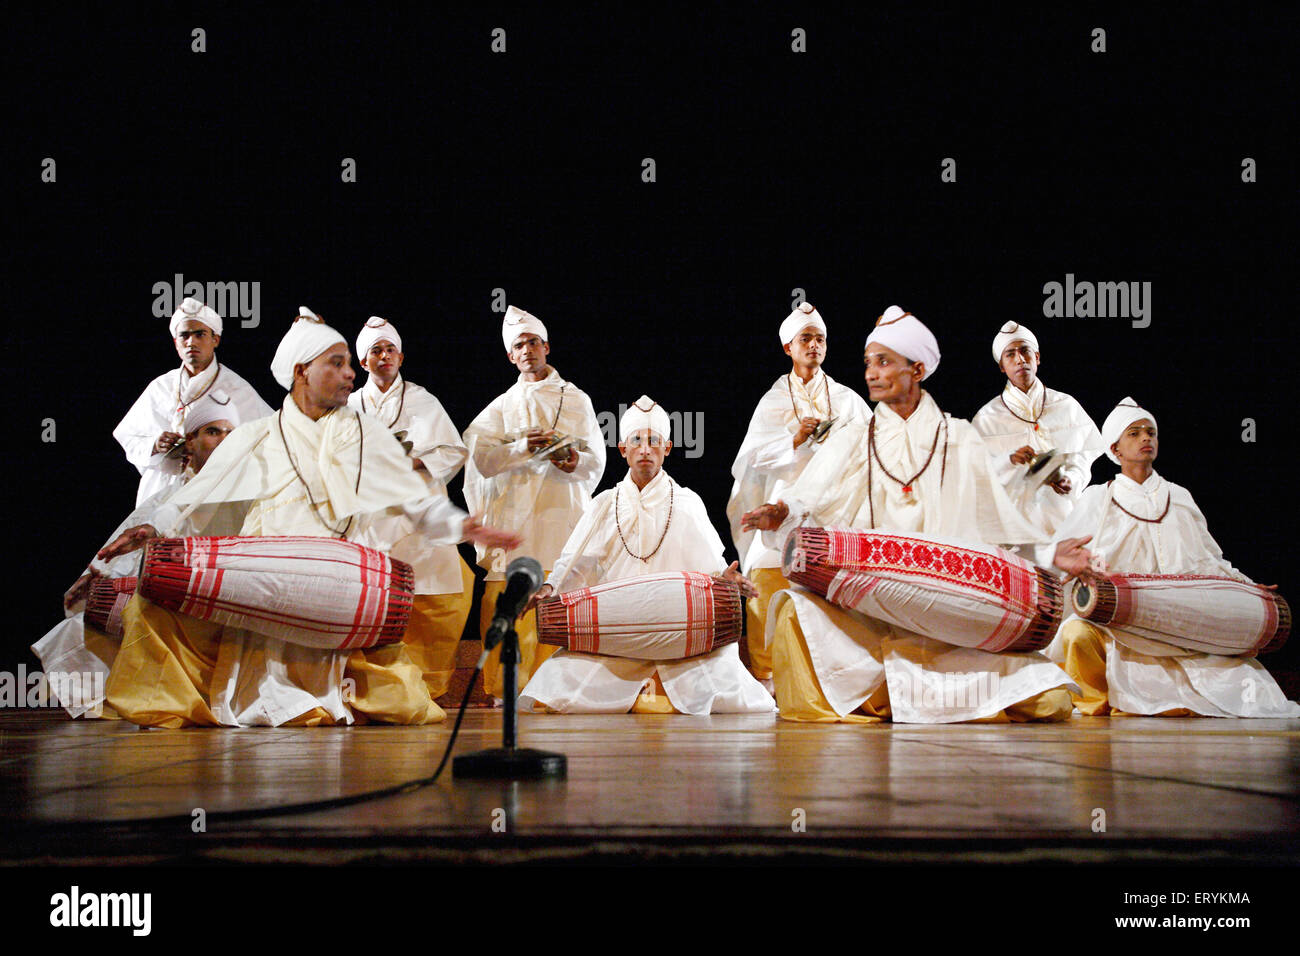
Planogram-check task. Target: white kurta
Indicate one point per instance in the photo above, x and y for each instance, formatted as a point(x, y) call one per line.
point(572, 682)
point(768, 462)
point(160, 409)
point(928, 680)
point(516, 490)
point(1007, 424)
point(1146, 676)
point(436, 443)
point(261, 680)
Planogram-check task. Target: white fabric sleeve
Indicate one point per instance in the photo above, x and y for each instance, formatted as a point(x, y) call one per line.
point(437, 519)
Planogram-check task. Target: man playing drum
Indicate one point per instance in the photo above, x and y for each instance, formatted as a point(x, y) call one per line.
point(1142, 524)
point(153, 432)
point(647, 523)
point(793, 418)
point(313, 469)
point(1029, 419)
point(444, 584)
point(536, 454)
point(911, 469)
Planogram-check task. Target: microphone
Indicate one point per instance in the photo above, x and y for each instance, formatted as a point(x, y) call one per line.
point(523, 580)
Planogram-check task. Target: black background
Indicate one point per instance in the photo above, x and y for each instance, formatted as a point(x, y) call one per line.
point(775, 170)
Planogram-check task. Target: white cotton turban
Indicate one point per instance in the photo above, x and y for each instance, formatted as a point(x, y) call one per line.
point(798, 320)
point(645, 413)
point(518, 322)
point(194, 309)
point(307, 338)
point(212, 407)
point(1125, 414)
point(376, 329)
point(1012, 332)
point(905, 334)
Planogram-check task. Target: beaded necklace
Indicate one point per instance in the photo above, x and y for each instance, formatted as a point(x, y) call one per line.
point(619, 526)
point(361, 457)
point(1169, 499)
point(907, 485)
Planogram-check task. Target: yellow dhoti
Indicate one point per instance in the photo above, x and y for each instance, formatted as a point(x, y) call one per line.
point(531, 653)
point(800, 697)
point(768, 581)
point(437, 623)
point(1086, 646)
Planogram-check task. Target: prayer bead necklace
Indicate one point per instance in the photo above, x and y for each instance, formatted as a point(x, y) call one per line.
point(619, 526)
point(1169, 500)
point(400, 405)
point(830, 412)
point(907, 485)
point(361, 458)
point(1028, 421)
point(181, 405)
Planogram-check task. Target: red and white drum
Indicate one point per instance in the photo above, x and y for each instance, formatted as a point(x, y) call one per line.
point(104, 603)
point(1204, 613)
point(318, 592)
point(660, 617)
point(961, 593)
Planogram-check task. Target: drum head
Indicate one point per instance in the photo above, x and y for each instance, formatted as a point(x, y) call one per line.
point(1083, 598)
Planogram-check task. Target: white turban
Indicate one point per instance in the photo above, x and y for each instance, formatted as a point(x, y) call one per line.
point(517, 322)
point(645, 413)
point(194, 309)
point(1125, 414)
point(307, 338)
point(1012, 332)
point(905, 334)
point(800, 319)
point(373, 331)
point(212, 407)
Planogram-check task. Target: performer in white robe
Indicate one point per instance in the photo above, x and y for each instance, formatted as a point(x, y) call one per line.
point(314, 468)
point(1142, 524)
point(785, 432)
point(646, 524)
point(1029, 418)
point(516, 482)
point(157, 421)
point(444, 584)
point(930, 474)
point(82, 654)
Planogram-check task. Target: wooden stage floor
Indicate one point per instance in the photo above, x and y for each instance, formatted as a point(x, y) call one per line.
point(658, 788)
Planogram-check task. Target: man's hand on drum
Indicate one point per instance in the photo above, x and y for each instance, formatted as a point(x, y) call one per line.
point(1022, 455)
point(765, 517)
point(733, 576)
point(80, 588)
point(1075, 560)
point(540, 595)
point(479, 533)
point(132, 539)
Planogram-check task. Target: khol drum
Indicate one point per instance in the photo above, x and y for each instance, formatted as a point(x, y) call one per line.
point(104, 603)
point(319, 592)
point(652, 617)
point(954, 591)
point(1196, 612)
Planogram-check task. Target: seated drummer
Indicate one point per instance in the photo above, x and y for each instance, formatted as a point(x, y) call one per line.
point(75, 647)
point(1142, 524)
point(910, 468)
point(646, 524)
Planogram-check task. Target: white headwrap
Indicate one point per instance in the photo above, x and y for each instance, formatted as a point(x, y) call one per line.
point(800, 319)
point(374, 330)
point(905, 334)
point(1124, 414)
point(1012, 332)
point(307, 338)
point(517, 322)
point(194, 309)
point(212, 407)
point(645, 413)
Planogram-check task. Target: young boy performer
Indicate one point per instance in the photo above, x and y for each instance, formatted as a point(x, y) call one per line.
point(156, 423)
point(911, 468)
point(1142, 524)
point(444, 584)
point(1029, 418)
point(645, 524)
point(517, 483)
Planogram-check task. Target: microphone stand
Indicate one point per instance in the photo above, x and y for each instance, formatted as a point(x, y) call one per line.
point(509, 762)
